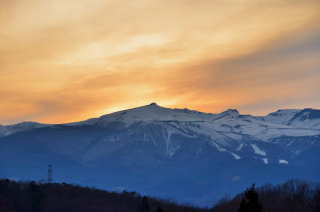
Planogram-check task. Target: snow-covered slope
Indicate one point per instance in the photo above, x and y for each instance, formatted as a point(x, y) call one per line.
point(283, 122)
point(281, 116)
point(161, 150)
point(227, 132)
point(230, 123)
point(23, 126)
point(152, 112)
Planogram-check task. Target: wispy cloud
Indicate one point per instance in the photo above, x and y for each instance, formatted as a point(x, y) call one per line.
point(64, 61)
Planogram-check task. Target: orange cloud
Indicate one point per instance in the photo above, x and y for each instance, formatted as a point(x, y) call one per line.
point(63, 61)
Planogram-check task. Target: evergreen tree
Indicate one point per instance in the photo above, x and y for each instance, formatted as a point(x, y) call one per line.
point(251, 202)
point(159, 209)
point(144, 206)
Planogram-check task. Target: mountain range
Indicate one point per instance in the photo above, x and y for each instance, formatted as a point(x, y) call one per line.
point(181, 154)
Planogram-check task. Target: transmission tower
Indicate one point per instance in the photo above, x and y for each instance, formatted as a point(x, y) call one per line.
point(49, 173)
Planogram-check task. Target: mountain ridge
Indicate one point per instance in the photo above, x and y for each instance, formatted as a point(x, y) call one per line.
point(5, 129)
point(178, 109)
point(164, 152)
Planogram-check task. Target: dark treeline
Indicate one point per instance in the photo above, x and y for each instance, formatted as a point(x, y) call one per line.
point(55, 197)
point(293, 196)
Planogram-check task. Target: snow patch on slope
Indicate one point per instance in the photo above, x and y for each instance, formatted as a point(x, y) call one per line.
point(237, 157)
point(265, 160)
point(240, 147)
point(257, 150)
point(217, 146)
point(281, 161)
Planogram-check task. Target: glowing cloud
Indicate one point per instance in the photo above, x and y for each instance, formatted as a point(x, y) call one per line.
point(63, 61)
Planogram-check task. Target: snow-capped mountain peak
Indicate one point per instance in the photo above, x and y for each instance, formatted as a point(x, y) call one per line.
point(151, 112)
point(282, 116)
point(157, 140)
point(234, 113)
point(307, 113)
point(287, 122)
point(307, 118)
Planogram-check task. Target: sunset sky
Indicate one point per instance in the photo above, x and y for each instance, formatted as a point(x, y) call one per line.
point(69, 60)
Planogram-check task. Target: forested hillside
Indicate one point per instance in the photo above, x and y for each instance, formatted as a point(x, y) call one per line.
point(31, 196)
point(293, 196)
